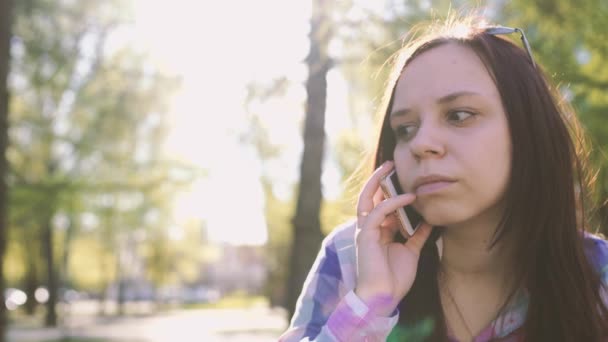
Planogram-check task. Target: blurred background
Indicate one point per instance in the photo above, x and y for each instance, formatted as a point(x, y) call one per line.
point(172, 166)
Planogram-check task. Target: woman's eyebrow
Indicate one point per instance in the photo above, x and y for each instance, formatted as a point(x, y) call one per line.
point(453, 96)
point(442, 100)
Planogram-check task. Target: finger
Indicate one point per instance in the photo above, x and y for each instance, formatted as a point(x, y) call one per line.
point(365, 203)
point(417, 241)
point(390, 227)
point(378, 196)
point(386, 208)
point(388, 224)
point(392, 221)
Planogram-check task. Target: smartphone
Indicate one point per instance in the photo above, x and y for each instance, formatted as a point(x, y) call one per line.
point(409, 218)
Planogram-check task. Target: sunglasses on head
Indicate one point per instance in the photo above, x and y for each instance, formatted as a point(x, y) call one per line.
point(496, 30)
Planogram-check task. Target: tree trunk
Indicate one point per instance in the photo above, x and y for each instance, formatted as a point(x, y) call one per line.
point(307, 235)
point(49, 256)
point(64, 280)
point(6, 9)
point(30, 284)
point(120, 286)
point(103, 298)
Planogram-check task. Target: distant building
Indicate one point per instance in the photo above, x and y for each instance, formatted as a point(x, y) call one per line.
point(239, 268)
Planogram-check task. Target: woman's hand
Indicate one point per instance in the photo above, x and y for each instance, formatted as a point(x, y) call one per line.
point(385, 269)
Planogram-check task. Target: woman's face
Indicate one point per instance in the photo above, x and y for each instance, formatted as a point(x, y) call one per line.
point(453, 145)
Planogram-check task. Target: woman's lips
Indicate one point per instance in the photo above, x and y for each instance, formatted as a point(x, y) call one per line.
point(432, 187)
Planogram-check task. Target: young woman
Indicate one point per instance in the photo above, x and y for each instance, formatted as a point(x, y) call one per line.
point(486, 154)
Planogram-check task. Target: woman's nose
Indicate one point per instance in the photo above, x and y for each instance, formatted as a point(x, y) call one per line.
point(428, 141)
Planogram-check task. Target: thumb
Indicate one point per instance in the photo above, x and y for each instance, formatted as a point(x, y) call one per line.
point(417, 241)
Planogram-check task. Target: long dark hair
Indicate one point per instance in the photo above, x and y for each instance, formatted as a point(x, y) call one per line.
point(546, 187)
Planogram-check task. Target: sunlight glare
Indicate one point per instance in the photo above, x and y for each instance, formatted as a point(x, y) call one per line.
point(217, 48)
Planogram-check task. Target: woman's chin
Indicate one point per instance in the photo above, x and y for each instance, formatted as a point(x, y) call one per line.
point(440, 220)
point(441, 215)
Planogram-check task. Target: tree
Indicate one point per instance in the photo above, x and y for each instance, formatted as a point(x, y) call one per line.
point(307, 233)
point(81, 110)
point(6, 16)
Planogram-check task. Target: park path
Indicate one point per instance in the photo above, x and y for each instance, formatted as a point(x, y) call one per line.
point(222, 325)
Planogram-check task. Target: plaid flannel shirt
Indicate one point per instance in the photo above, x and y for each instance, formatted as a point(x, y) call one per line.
point(329, 310)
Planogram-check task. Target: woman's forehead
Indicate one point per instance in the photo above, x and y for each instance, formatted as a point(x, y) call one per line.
point(442, 70)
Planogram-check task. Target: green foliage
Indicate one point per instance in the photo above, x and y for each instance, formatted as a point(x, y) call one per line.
point(174, 260)
point(570, 40)
point(93, 266)
point(14, 269)
point(418, 332)
point(87, 124)
point(278, 216)
point(232, 301)
point(337, 212)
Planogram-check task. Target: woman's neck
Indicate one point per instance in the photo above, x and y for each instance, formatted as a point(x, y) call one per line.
point(475, 280)
point(467, 254)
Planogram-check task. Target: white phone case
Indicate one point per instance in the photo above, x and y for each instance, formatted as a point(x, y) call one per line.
point(389, 190)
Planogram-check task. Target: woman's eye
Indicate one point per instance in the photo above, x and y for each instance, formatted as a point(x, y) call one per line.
point(405, 132)
point(459, 115)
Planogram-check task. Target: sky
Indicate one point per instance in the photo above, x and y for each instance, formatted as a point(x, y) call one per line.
point(218, 48)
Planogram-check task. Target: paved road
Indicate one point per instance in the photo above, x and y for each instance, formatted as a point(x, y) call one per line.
point(222, 325)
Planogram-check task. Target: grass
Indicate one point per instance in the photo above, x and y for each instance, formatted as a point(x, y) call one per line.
point(235, 300)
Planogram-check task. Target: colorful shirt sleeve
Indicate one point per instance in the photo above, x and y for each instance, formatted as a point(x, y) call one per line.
point(597, 251)
point(327, 311)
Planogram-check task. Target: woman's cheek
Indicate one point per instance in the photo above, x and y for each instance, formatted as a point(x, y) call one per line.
point(403, 166)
